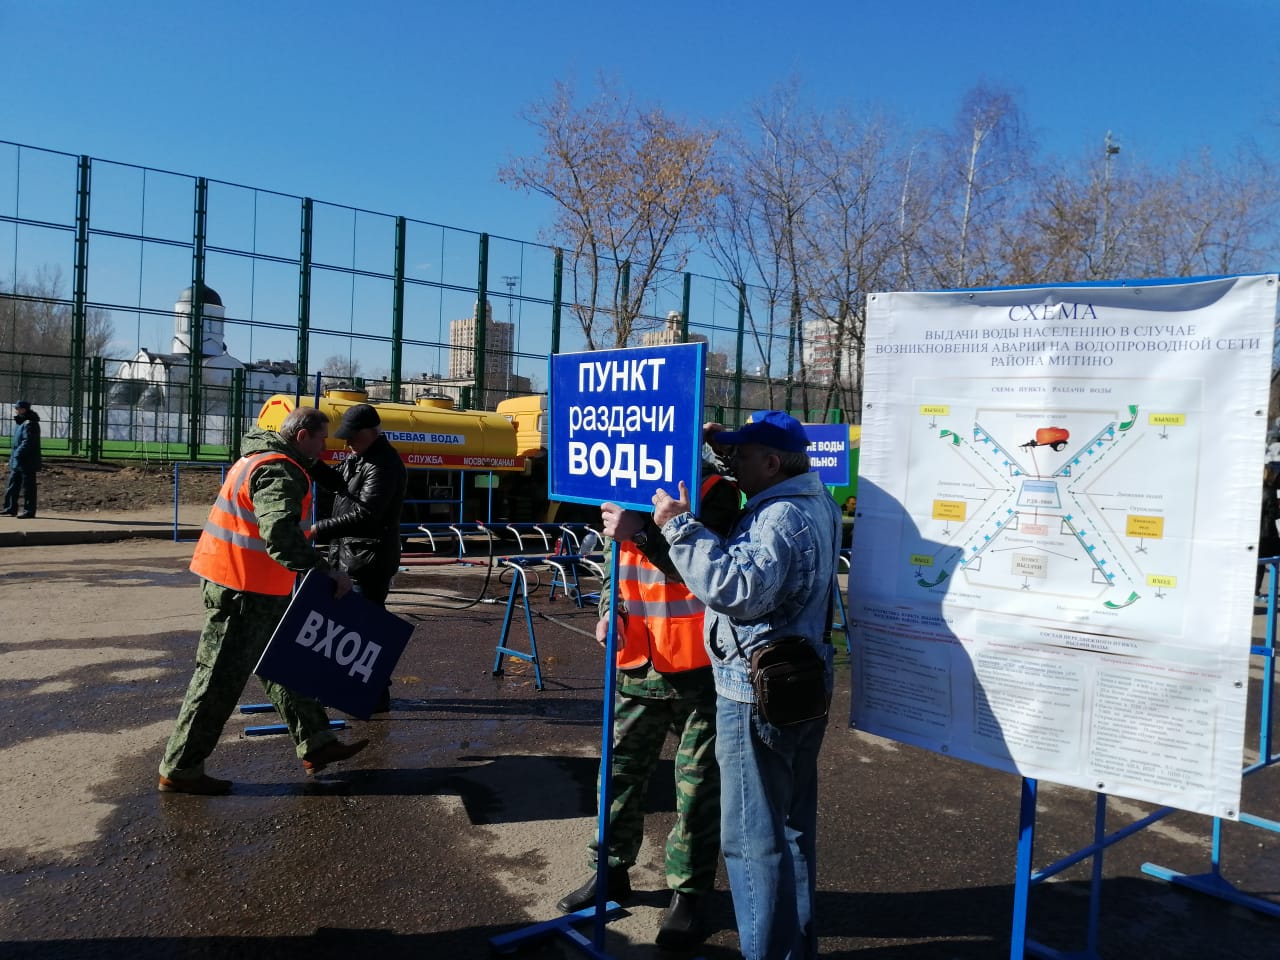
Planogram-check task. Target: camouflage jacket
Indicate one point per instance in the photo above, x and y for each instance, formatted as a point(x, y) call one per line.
point(278, 489)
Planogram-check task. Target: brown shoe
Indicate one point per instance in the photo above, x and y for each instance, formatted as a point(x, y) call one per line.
point(331, 752)
point(204, 785)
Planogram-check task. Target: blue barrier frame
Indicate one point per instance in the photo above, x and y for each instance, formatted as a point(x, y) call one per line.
point(272, 728)
point(177, 470)
point(520, 583)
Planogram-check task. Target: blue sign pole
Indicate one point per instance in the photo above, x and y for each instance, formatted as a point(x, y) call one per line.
point(606, 760)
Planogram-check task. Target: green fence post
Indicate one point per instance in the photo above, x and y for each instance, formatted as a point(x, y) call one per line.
point(79, 301)
point(557, 300)
point(737, 374)
point(97, 407)
point(236, 420)
point(195, 398)
point(304, 291)
point(482, 321)
point(397, 310)
point(684, 308)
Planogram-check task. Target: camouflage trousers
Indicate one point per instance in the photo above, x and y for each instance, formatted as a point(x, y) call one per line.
point(236, 630)
point(640, 730)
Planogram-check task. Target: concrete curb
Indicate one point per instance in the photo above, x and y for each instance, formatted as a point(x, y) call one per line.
point(62, 538)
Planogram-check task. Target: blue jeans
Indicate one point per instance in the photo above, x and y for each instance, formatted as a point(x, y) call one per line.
point(768, 829)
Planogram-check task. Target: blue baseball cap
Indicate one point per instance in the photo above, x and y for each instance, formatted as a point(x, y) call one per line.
point(22, 405)
point(773, 428)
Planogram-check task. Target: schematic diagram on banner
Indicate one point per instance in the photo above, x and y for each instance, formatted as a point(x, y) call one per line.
point(1055, 499)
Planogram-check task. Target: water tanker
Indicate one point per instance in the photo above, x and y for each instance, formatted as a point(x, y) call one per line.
point(450, 453)
point(429, 433)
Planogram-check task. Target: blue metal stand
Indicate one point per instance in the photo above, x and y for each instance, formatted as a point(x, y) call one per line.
point(604, 909)
point(567, 576)
point(270, 728)
point(1212, 882)
point(520, 585)
point(177, 470)
point(841, 620)
point(1025, 877)
point(1022, 875)
point(561, 926)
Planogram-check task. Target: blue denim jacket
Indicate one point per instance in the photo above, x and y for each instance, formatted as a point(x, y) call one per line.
point(772, 577)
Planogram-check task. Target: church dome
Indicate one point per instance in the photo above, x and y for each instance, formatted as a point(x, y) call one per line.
point(211, 298)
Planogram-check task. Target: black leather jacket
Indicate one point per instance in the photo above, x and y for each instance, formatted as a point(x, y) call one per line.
point(369, 493)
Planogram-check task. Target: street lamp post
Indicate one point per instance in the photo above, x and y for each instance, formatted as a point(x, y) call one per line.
point(1110, 150)
point(511, 282)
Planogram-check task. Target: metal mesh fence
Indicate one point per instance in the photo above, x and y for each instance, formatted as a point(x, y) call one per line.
point(113, 275)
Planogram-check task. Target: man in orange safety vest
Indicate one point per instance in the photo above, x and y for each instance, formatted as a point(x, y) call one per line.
point(255, 543)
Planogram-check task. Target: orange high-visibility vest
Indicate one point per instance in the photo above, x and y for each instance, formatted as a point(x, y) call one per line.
point(231, 551)
point(664, 620)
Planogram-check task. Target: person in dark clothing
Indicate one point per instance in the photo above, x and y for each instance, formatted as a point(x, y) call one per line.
point(24, 462)
point(1268, 535)
point(364, 526)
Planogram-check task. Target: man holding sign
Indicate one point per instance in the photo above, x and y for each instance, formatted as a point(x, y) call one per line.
point(767, 588)
point(256, 541)
point(663, 683)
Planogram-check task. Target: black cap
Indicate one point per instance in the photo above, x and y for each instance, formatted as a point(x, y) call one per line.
point(22, 405)
point(357, 418)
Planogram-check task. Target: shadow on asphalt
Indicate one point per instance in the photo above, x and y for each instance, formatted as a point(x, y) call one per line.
point(327, 943)
point(484, 787)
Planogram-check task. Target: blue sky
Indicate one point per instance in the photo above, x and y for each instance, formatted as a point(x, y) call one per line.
point(410, 108)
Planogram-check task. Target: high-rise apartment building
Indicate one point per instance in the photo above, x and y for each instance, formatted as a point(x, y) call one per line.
point(498, 341)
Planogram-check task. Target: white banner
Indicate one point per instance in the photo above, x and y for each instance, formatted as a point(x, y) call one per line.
point(1054, 556)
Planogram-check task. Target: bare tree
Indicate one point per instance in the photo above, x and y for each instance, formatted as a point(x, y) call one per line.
point(1215, 218)
point(1200, 218)
point(632, 185)
point(37, 327)
point(759, 224)
point(815, 214)
point(853, 245)
point(983, 162)
point(340, 372)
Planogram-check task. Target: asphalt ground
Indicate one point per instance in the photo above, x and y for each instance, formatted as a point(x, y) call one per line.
point(468, 815)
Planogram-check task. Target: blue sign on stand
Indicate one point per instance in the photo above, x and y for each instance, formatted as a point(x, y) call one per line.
point(625, 423)
point(341, 652)
point(829, 452)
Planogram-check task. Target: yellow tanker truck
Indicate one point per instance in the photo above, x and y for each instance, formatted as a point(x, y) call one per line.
point(463, 464)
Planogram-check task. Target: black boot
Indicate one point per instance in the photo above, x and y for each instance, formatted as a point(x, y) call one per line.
point(585, 895)
point(681, 928)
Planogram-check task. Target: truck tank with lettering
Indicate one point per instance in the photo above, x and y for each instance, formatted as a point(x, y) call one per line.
point(463, 465)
